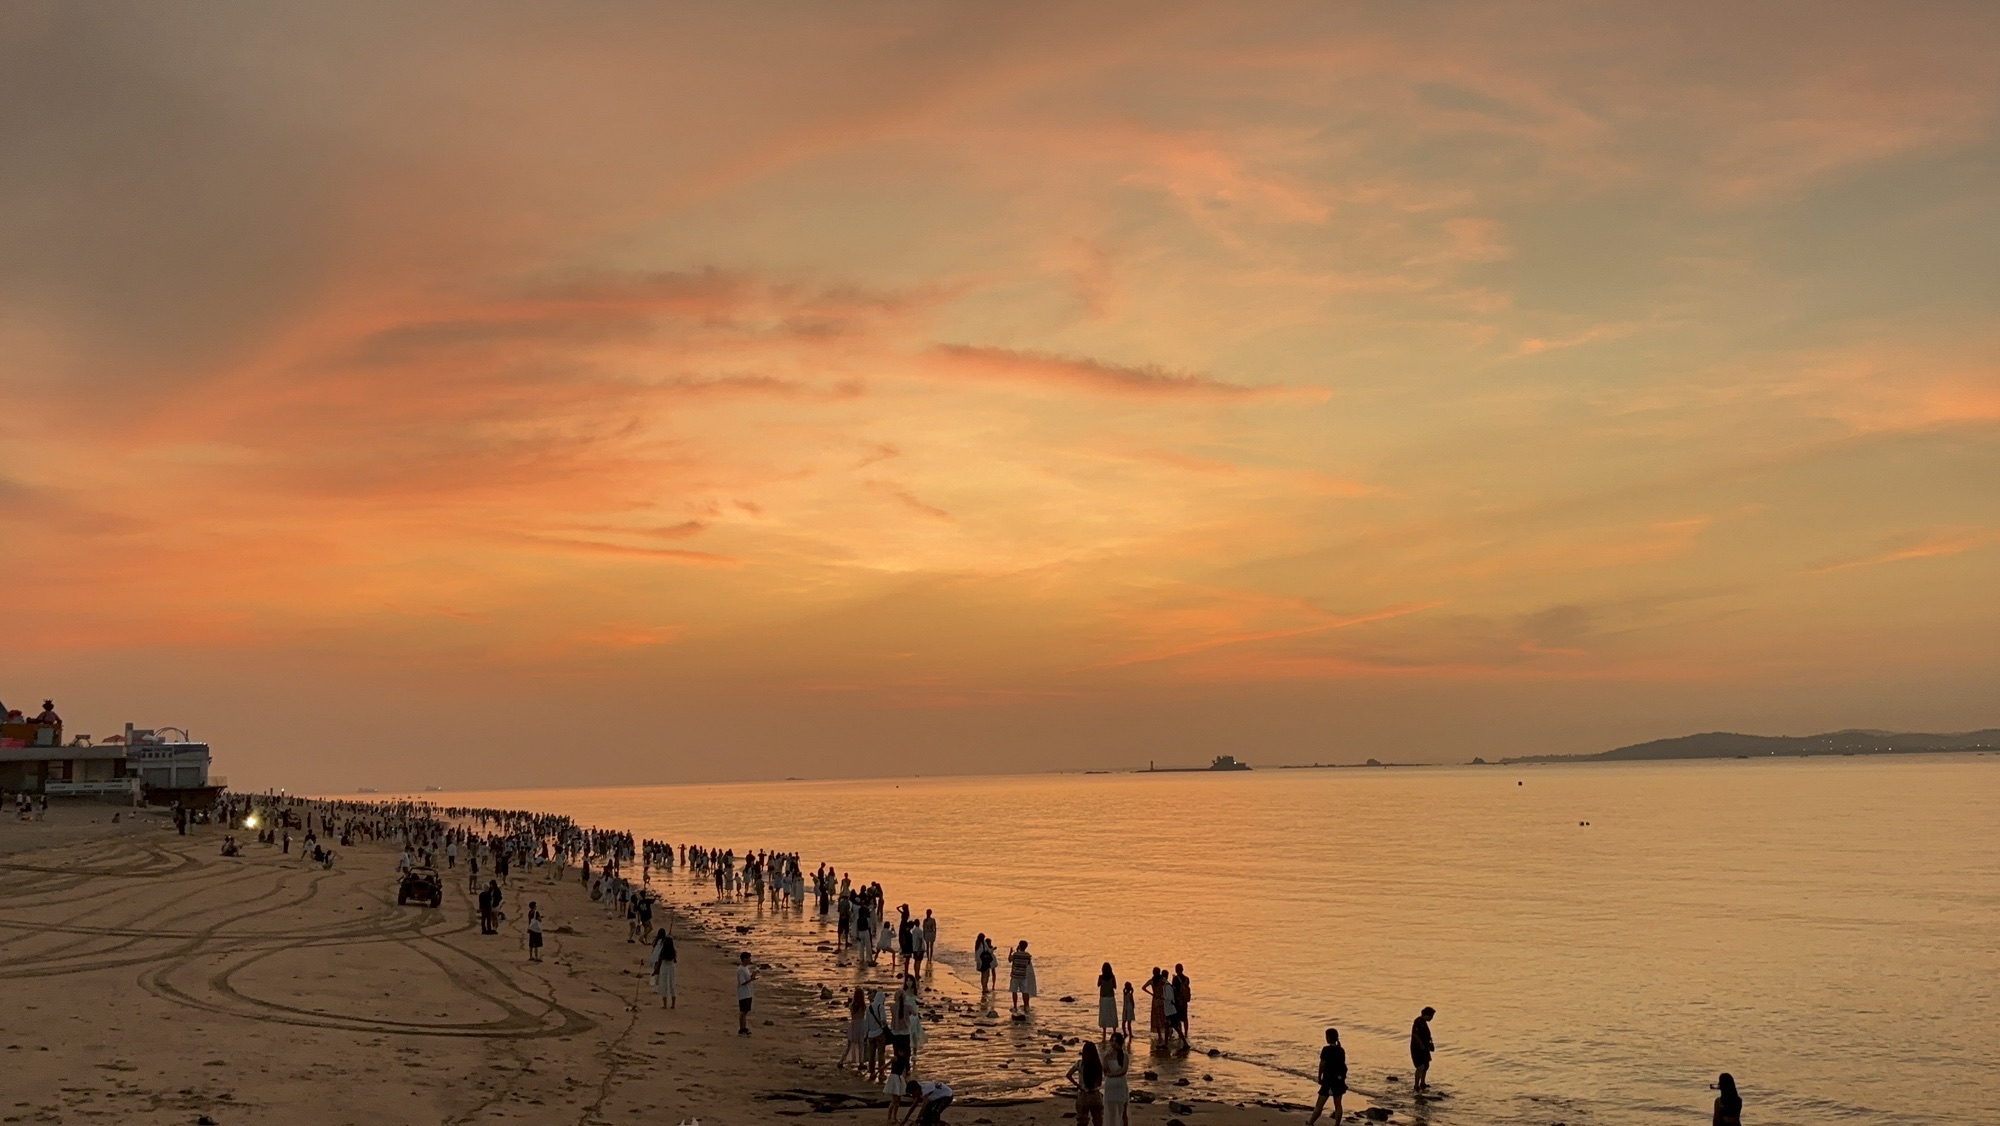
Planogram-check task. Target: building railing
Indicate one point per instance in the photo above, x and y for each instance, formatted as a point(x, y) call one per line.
point(113, 786)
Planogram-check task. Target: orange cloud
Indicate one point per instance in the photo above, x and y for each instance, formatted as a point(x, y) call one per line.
point(1041, 369)
point(1917, 545)
point(994, 380)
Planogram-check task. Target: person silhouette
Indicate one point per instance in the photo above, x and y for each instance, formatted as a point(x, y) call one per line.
point(1728, 1104)
point(1422, 1047)
point(1332, 1077)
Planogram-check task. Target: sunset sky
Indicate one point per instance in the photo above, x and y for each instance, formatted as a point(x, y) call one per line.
point(528, 394)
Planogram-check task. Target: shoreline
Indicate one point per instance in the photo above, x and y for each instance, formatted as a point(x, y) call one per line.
point(153, 980)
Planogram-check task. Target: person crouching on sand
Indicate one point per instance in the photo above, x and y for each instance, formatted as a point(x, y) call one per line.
point(929, 1105)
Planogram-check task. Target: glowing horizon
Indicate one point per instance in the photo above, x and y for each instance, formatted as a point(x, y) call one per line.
point(463, 397)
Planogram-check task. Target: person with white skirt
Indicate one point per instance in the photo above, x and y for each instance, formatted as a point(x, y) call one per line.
point(665, 961)
point(1117, 1089)
point(1107, 1003)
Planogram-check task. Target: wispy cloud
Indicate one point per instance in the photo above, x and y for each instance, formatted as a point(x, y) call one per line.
point(1913, 546)
point(1043, 369)
point(1078, 357)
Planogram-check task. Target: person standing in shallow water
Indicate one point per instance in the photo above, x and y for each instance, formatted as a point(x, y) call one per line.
point(1021, 977)
point(1183, 992)
point(1131, 1013)
point(1332, 1076)
point(1157, 987)
point(984, 953)
point(1107, 1003)
point(1728, 1104)
point(1421, 1048)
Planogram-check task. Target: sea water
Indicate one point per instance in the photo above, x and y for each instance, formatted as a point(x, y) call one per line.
point(1600, 940)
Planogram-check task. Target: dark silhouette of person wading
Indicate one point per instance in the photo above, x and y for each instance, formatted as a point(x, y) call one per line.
point(1422, 1047)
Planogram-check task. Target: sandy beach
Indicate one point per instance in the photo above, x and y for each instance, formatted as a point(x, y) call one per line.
point(152, 980)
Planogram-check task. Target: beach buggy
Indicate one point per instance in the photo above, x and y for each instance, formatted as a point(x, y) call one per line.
point(422, 885)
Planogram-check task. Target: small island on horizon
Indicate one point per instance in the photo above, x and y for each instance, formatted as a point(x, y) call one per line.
point(1730, 744)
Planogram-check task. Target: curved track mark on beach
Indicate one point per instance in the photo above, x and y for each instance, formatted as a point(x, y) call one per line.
point(422, 935)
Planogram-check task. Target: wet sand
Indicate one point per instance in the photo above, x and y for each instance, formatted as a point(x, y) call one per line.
point(151, 980)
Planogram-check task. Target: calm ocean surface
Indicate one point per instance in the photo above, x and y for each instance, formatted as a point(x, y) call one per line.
point(1826, 929)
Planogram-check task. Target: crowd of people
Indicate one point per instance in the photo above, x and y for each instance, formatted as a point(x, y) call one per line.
point(885, 1027)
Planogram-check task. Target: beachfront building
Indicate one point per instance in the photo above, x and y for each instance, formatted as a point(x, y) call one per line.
point(166, 759)
point(35, 759)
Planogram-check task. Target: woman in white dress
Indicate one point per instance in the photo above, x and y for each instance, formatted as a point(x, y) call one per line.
point(1117, 1090)
point(1107, 1003)
point(857, 1030)
point(665, 962)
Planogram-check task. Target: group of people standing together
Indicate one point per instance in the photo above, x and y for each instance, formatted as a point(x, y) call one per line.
point(1103, 1089)
point(1170, 995)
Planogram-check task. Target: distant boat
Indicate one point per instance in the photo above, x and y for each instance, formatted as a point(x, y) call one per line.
point(367, 790)
point(1222, 762)
point(434, 789)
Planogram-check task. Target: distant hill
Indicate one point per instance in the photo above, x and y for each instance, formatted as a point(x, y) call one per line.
point(1729, 744)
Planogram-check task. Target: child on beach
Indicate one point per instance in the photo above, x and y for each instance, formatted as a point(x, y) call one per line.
point(1131, 1007)
point(534, 932)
